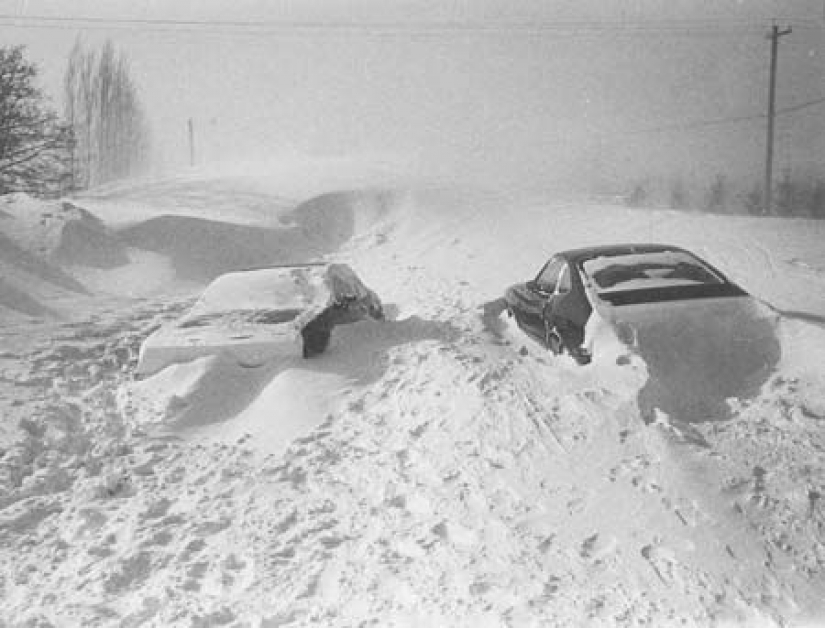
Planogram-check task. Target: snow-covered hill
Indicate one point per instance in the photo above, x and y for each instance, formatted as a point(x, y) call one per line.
point(434, 469)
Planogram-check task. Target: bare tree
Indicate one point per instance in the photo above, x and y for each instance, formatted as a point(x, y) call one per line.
point(103, 107)
point(71, 110)
point(816, 202)
point(716, 199)
point(678, 194)
point(33, 144)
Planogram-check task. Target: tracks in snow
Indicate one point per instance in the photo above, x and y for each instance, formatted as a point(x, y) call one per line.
point(468, 484)
point(474, 484)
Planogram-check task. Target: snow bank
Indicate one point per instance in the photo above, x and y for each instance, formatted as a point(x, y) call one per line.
point(201, 249)
point(59, 231)
point(18, 300)
point(169, 236)
point(701, 353)
point(215, 197)
point(147, 275)
point(435, 469)
point(31, 234)
point(87, 242)
point(222, 401)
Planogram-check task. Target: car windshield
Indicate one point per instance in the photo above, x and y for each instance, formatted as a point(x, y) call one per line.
point(642, 271)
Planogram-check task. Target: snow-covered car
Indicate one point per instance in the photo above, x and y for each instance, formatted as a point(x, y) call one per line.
point(653, 293)
point(259, 314)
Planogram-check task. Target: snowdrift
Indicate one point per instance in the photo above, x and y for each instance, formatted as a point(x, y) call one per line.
point(36, 238)
point(88, 242)
point(220, 198)
point(17, 259)
point(441, 470)
point(699, 354)
point(201, 249)
point(59, 231)
point(144, 239)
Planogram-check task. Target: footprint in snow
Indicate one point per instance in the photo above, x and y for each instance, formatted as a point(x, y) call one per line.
point(688, 512)
point(596, 548)
point(646, 485)
point(627, 467)
point(663, 562)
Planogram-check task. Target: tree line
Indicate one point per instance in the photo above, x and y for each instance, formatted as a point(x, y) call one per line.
point(794, 195)
point(102, 135)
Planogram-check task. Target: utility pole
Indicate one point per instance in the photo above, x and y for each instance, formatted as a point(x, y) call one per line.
point(191, 125)
point(774, 36)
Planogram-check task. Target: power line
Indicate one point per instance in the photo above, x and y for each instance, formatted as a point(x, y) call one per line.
point(688, 126)
point(800, 106)
point(694, 27)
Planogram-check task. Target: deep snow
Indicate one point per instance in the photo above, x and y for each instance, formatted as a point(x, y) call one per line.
point(436, 468)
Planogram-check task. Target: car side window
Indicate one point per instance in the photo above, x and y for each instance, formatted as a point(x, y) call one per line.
point(565, 282)
point(549, 275)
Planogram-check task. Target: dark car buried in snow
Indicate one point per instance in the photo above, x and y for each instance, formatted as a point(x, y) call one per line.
point(646, 292)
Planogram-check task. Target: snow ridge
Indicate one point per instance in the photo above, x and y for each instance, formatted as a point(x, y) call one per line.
point(432, 469)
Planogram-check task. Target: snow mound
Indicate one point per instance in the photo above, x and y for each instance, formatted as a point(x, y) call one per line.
point(32, 243)
point(59, 231)
point(200, 249)
point(278, 400)
point(17, 300)
point(219, 400)
point(215, 197)
point(199, 392)
point(331, 219)
point(86, 241)
point(700, 354)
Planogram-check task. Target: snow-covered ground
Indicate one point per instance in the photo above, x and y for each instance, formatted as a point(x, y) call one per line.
point(433, 469)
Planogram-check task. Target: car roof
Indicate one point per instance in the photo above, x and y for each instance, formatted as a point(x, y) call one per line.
point(577, 256)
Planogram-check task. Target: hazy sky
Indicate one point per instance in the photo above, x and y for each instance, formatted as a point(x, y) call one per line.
point(536, 91)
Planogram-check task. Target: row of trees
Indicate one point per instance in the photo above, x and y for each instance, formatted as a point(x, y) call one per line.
point(111, 137)
point(103, 135)
point(793, 196)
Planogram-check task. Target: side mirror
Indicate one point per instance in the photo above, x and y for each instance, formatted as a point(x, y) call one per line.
point(535, 287)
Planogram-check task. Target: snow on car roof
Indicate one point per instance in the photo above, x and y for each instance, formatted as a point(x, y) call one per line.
point(307, 287)
point(288, 287)
point(638, 271)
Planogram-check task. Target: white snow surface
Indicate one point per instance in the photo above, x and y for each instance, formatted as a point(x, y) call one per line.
point(433, 469)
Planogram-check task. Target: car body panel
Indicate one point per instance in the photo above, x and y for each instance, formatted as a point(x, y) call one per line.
point(527, 306)
point(247, 343)
point(257, 315)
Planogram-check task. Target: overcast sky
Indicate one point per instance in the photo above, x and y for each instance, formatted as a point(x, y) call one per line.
point(535, 91)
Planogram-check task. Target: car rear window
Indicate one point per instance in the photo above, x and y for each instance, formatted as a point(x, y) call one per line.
point(642, 271)
point(255, 317)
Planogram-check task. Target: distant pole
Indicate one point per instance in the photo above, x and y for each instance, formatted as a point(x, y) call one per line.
point(191, 125)
point(774, 37)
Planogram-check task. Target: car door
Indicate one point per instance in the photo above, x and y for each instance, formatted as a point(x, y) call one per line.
point(534, 299)
point(568, 309)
